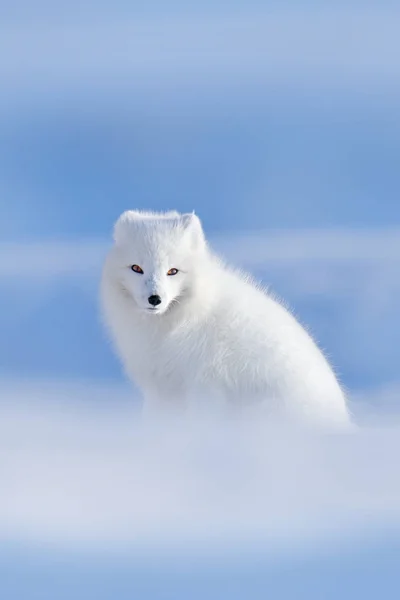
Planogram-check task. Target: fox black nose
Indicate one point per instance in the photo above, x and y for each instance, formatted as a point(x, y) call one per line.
point(154, 300)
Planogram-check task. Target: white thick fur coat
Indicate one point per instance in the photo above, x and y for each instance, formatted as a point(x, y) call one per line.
point(214, 336)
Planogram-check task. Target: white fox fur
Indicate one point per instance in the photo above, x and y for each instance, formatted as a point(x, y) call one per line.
point(215, 336)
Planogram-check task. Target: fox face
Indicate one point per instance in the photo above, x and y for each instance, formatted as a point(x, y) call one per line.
point(154, 257)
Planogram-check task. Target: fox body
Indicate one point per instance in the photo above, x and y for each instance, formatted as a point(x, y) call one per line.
point(190, 329)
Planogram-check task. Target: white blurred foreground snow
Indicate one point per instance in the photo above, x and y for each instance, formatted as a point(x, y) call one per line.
point(79, 470)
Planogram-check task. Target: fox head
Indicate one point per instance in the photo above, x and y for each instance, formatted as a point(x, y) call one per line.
point(155, 256)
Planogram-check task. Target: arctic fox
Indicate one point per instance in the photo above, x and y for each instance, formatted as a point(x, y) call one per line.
point(188, 327)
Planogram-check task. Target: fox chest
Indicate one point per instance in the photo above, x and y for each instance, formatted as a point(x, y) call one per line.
point(171, 361)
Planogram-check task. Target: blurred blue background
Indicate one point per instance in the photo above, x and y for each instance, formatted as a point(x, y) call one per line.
point(277, 122)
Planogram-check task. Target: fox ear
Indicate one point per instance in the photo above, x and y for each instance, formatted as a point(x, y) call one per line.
point(120, 227)
point(192, 225)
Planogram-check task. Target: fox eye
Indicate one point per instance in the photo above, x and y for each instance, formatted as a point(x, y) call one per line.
point(172, 272)
point(137, 269)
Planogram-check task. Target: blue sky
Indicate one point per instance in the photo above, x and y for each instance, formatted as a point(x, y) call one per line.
point(278, 123)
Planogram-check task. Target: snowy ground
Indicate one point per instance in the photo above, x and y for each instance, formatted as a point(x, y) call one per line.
point(82, 470)
point(94, 501)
